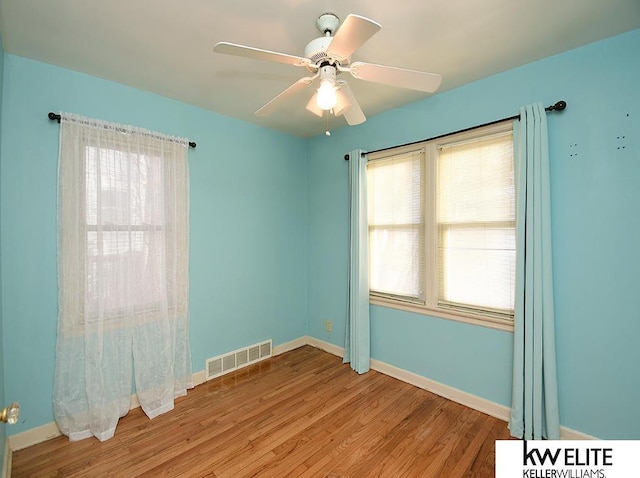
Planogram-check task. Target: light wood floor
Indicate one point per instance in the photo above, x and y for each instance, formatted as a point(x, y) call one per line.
point(302, 413)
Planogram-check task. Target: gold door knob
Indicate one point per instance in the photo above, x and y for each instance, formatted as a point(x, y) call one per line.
point(10, 414)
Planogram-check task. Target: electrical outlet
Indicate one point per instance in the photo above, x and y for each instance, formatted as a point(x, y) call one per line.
point(328, 326)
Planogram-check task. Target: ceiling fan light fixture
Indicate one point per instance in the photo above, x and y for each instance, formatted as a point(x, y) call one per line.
point(326, 97)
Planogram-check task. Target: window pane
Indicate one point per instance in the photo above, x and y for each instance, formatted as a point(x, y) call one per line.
point(396, 225)
point(475, 181)
point(476, 223)
point(478, 266)
point(119, 185)
point(397, 268)
point(394, 187)
point(115, 258)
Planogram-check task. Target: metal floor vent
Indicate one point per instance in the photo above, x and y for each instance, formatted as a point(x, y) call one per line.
point(223, 364)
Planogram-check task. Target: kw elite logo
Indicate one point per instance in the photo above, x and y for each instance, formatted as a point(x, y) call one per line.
point(567, 459)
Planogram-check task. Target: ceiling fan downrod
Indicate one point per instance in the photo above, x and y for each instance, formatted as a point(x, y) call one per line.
point(327, 23)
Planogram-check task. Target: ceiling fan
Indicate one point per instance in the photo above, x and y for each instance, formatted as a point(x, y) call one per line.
point(326, 58)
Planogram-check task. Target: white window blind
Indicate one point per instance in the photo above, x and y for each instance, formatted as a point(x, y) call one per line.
point(442, 226)
point(475, 209)
point(396, 226)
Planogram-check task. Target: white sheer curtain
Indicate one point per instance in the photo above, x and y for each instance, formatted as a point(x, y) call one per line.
point(123, 248)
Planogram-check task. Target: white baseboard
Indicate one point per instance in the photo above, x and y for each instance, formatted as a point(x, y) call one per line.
point(472, 401)
point(50, 430)
point(6, 469)
point(483, 405)
point(198, 378)
point(326, 346)
point(33, 436)
point(288, 346)
point(569, 434)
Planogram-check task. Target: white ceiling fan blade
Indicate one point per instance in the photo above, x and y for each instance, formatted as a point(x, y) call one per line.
point(354, 115)
point(258, 54)
point(348, 106)
point(312, 106)
point(352, 34)
point(401, 77)
point(276, 102)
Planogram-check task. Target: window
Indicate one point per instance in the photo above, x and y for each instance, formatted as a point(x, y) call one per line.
point(124, 230)
point(442, 226)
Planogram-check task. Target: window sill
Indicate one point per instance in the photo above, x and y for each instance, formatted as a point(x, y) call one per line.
point(474, 319)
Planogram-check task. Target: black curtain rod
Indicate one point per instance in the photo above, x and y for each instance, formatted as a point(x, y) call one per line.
point(559, 106)
point(54, 116)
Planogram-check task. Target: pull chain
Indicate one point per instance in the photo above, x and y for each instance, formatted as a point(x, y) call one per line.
point(327, 132)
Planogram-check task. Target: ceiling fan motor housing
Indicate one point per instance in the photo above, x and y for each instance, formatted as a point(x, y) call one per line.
point(316, 50)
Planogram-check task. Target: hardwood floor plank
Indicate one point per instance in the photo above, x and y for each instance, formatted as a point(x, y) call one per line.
point(467, 448)
point(264, 445)
point(396, 452)
point(234, 415)
point(320, 438)
point(433, 461)
point(302, 413)
point(484, 462)
point(354, 444)
point(237, 417)
point(288, 421)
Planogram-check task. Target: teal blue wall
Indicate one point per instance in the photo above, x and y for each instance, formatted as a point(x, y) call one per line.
point(596, 236)
point(248, 222)
point(3, 433)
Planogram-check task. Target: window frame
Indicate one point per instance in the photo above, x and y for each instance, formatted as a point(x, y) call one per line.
point(429, 306)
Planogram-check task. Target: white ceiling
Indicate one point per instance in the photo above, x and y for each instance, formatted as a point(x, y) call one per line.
point(165, 46)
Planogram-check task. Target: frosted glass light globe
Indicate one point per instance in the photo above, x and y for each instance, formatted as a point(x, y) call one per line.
point(326, 98)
